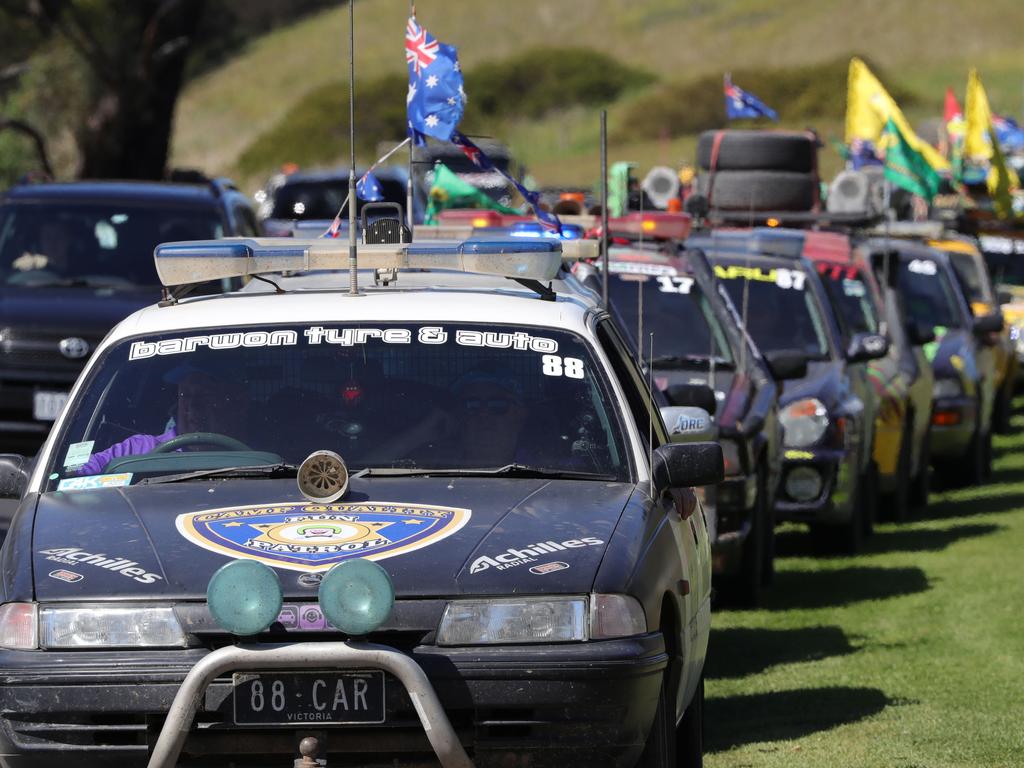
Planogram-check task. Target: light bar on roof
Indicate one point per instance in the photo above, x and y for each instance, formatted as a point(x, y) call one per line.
point(204, 260)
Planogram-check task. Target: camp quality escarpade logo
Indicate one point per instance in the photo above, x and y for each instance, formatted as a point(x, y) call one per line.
point(314, 537)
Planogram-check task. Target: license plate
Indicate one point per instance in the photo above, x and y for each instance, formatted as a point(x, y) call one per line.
point(301, 698)
point(46, 406)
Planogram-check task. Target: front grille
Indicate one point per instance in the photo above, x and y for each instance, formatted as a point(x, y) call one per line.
point(81, 732)
point(39, 351)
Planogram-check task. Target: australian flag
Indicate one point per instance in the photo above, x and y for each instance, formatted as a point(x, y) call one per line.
point(436, 99)
point(368, 188)
point(477, 157)
point(739, 103)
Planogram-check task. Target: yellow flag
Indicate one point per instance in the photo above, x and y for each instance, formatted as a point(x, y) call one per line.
point(869, 106)
point(978, 116)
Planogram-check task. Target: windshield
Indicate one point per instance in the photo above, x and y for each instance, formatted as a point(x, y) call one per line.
point(779, 301)
point(108, 244)
point(971, 277)
point(676, 311)
point(301, 200)
point(850, 298)
point(927, 293)
point(408, 396)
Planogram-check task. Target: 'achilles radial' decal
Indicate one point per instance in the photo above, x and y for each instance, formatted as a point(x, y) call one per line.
point(313, 537)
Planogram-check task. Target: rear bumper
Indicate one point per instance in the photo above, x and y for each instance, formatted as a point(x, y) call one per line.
point(589, 701)
point(951, 440)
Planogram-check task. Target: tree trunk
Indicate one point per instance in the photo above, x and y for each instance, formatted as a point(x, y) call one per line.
point(128, 133)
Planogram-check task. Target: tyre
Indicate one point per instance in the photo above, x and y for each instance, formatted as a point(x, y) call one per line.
point(759, 190)
point(869, 499)
point(660, 748)
point(896, 505)
point(768, 561)
point(745, 588)
point(690, 735)
point(974, 468)
point(920, 486)
point(740, 150)
point(1002, 411)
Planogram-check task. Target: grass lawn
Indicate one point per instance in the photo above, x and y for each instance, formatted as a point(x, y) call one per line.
point(908, 656)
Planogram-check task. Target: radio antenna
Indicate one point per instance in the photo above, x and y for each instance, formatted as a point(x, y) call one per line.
point(410, 193)
point(604, 211)
point(353, 267)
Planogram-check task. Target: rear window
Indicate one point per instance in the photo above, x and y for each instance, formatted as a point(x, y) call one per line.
point(928, 294)
point(850, 297)
point(300, 200)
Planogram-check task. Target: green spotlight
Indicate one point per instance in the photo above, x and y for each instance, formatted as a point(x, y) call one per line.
point(244, 597)
point(356, 596)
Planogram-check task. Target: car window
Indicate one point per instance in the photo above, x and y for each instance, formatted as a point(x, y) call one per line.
point(928, 293)
point(780, 305)
point(247, 226)
point(971, 277)
point(102, 244)
point(677, 313)
point(322, 199)
point(438, 396)
point(851, 299)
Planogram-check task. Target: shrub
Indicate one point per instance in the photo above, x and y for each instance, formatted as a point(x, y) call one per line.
point(799, 94)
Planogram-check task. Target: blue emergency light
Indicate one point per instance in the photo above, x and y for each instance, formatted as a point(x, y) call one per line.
point(534, 229)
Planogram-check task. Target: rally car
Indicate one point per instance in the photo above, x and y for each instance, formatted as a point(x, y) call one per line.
point(902, 379)
point(827, 416)
point(693, 338)
point(490, 444)
point(962, 358)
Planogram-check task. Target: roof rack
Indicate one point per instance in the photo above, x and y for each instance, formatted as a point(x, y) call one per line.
point(929, 230)
point(183, 265)
point(793, 218)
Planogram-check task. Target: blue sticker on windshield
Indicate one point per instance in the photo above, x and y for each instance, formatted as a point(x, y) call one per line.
point(314, 537)
point(94, 481)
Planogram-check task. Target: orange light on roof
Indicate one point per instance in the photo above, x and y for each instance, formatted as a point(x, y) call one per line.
point(481, 222)
point(648, 226)
point(772, 222)
point(946, 418)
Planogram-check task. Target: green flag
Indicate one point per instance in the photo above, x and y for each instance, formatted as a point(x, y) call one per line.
point(905, 166)
point(449, 191)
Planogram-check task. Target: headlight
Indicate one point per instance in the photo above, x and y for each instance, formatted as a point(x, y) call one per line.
point(540, 620)
point(947, 388)
point(19, 626)
point(804, 422)
point(110, 627)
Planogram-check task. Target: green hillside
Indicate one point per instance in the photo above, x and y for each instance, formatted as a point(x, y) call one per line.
point(920, 46)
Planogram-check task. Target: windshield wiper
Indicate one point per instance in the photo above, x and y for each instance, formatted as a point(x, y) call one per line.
point(251, 470)
point(679, 361)
point(508, 470)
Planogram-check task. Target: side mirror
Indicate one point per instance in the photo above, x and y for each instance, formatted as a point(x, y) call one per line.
point(681, 465)
point(694, 395)
point(992, 323)
point(14, 472)
point(920, 333)
point(687, 424)
point(867, 346)
point(1004, 297)
point(786, 364)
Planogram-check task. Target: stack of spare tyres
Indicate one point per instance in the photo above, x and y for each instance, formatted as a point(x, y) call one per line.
point(743, 170)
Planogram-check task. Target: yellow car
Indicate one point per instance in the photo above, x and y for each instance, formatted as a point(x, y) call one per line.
point(976, 283)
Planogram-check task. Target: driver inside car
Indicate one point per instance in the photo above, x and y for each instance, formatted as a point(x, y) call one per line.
point(205, 403)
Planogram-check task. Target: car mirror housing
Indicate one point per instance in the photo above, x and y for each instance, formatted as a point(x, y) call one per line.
point(992, 323)
point(688, 424)
point(867, 346)
point(920, 333)
point(14, 474)
point(694, 395)
point(1004, 297)
point(681, 465)
point(786, 364)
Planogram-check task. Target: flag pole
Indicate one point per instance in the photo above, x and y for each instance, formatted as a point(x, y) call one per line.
point(604, 207)
point(353, 268)
point(410, 192)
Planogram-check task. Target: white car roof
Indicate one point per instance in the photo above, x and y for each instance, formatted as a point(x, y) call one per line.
point(416, 297)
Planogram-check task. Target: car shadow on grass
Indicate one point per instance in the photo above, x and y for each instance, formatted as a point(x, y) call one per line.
point(833, 587)
point(926, 540)
point(953, 505)
point(739, 652)
point(731, 721)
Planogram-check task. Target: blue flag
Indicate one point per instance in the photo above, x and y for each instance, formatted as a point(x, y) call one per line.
point(436, 100)
point(477, 157)
point(862, 153)
point(368, 188)
point(739, 103)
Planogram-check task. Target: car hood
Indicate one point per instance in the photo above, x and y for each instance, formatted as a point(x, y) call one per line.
point(80, 311)
point(825, 380)
point(731, 391)
point(435, 536)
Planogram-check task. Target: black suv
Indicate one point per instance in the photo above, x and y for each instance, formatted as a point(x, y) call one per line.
point(75, 259)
